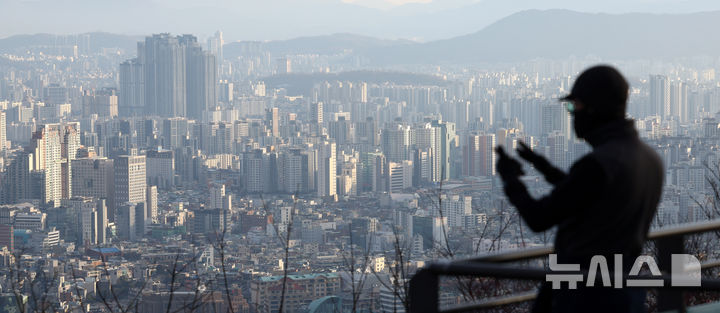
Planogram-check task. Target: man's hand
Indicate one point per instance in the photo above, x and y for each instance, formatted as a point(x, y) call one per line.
point(552, 174)
point(526, 153)
point(507, 167)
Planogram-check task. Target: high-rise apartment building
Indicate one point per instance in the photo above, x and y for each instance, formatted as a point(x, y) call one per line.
point(161, 168)
point(444, 140)
point(174, 132)
point(679, 101)
point(16, 184)
point(215, 196)
point(54, 94)
point(69, 146)
point(179, 78)
point(7, 236)
point(102, 102)
point(201, 67)
point(373, 172)
point(215, 46)
point(660, 96)
point(348, 178)
point(46, 156)
point(400, 176)
point(132, 88)
point(273, 118)
point(255, 170)
point(53, 147)
point(426, 138)
point(361, 93)
point(433, 230)
point(3, 131)
point(316, 112)
point(102, 218)
point(294, 170)
point(422, 166)
point(455, 208)
point(141, 219)
point(478, 155)
point(94, 177)
point(125, 221)
point(226, 94)
point(163, 60)
point(557, 150)
point(396, 142)
point(554, 118)
point(342, 130)
point(367, 132)
point(92, 220)
point(327, 170)
point(151, 204)
point(131, 220)
point(284, 65)
point(130, 184)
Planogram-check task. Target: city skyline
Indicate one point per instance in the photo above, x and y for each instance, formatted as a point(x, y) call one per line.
point(180, 169)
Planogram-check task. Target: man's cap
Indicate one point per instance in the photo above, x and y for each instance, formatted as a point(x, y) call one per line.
point(601, 87)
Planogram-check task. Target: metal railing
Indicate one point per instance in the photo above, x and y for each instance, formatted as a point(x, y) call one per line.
point(424, 285)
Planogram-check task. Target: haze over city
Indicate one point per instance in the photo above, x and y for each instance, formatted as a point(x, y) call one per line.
point(269, 20)
point(341, 155)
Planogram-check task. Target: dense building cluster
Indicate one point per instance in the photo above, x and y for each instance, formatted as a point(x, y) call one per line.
point(171, 177)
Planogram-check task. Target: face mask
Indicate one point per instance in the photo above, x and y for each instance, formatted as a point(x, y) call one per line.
point(583, 123)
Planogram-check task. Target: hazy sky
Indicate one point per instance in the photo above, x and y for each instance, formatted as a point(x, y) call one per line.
point(283, 19)
point(590, 5)
point(384, 4)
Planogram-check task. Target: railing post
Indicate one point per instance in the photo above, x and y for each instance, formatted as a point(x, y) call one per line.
point(424, 292)
point(669, 298)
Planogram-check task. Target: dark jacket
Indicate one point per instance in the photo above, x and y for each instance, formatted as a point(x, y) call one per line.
point(603, 206)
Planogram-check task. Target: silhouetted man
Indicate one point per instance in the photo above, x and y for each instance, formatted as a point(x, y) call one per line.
point(604, 205)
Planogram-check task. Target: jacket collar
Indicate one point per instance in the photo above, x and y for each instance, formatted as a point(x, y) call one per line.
point(621, 129)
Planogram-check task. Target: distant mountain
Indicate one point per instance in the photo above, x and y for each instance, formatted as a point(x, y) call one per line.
point(521, 36)
point(562, 33)
point(107, 40)
point(96, 41)
point(330, 44)
point(531, 34)
point(285, 19)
